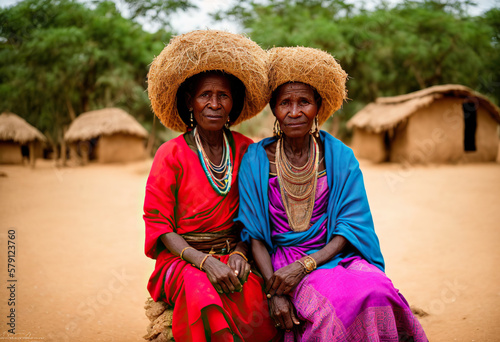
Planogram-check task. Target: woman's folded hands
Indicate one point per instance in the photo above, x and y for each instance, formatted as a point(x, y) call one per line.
point(222, 277)
point(227, 278)
point(284, 280)
point(240, 267)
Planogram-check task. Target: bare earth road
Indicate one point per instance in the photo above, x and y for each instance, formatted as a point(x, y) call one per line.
point(81, 272)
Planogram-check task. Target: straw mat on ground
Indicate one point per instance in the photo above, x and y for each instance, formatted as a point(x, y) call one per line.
point(160, 317)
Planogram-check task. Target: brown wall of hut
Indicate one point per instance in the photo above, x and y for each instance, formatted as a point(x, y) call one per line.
point(399, 142)
point(436, 135)
point(368, 145)
point(10, 153)
point(120, 148)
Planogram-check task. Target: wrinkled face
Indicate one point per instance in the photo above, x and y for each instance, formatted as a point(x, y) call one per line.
point(211, 102)
point(295, 109)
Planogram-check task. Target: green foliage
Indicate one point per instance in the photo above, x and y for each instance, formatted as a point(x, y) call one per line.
point(159, 11)
point(61, 58)
point(386, 50)
point(490, 81)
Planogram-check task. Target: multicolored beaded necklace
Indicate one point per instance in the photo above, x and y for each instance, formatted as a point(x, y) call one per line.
point(223, 185)
point(298, 185)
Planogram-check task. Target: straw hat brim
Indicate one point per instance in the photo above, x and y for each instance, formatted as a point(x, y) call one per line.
point(206, 50)
point(311, 66)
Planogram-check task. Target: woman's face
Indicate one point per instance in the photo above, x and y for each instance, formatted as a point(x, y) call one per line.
point(295, 109)
point(211, 102)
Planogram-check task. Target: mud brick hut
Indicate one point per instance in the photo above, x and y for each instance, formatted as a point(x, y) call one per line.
point(106, 135)
point(18, 140)
point(441, 124)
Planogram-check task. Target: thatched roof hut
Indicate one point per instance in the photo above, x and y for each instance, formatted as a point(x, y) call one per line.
point(107, 121)
point(445, 123)
point(108, 135)
point(16, 133)
point(15, 128)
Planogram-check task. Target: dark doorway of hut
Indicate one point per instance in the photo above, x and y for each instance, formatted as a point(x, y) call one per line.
point(28, 153)
point(387, 146)
point(93, 148)
point(470, 126)
point(388, 138)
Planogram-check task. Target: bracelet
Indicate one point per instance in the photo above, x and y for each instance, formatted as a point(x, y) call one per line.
point(240, 254)
point(308, 263)
point(300, 262)
point(312, 259)
point(182, 252)
point(203, 261)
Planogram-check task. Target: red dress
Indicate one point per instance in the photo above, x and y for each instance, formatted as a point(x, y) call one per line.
point(180, 199)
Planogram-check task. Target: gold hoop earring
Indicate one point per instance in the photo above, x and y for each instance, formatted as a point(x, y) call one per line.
point(277, 132)
point(315, 133)
point(191, 120)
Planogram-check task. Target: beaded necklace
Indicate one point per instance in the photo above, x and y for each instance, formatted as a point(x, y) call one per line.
point(298, 185)
point(223, 185)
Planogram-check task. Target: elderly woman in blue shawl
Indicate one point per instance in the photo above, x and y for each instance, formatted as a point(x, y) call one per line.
point(305, 212)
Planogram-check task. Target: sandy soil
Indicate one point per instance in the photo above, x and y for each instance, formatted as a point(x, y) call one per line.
point(81, 272)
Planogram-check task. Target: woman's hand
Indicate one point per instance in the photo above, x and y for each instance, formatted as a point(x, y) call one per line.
point(240, 267)
point(222, 277)
point(283, 312)
point(285, 279)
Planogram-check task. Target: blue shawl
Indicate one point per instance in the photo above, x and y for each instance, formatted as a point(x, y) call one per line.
point(348, 212)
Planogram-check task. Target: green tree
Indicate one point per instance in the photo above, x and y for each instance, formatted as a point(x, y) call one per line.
point(159, 11)
point(388, 50)
point(60, 58)
point(490, 81)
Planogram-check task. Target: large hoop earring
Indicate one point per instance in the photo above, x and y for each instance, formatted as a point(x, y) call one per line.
point(277, 132)
point(315, 133)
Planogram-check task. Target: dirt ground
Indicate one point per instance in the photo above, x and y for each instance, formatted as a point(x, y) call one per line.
point(81, 271)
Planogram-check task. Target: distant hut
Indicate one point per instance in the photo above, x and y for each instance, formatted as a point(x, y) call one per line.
point(441, 124)
point(18, 139)
point(107, 135)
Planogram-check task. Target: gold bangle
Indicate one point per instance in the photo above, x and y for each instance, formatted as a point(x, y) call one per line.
point(182, 252)
point(203, 261)
point(309, 264)
point(314, 261)
point(240, 254)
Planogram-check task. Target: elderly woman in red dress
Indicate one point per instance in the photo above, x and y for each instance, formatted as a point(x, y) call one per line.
point(202, 83)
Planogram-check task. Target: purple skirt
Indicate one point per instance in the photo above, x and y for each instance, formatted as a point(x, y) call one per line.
point(353, 301)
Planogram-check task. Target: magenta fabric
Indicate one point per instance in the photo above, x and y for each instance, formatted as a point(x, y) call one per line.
point(354, 301)
point(279, 222)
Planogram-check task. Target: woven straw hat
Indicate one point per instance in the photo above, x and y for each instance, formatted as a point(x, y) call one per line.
point(205, 50)
point(310, 66)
